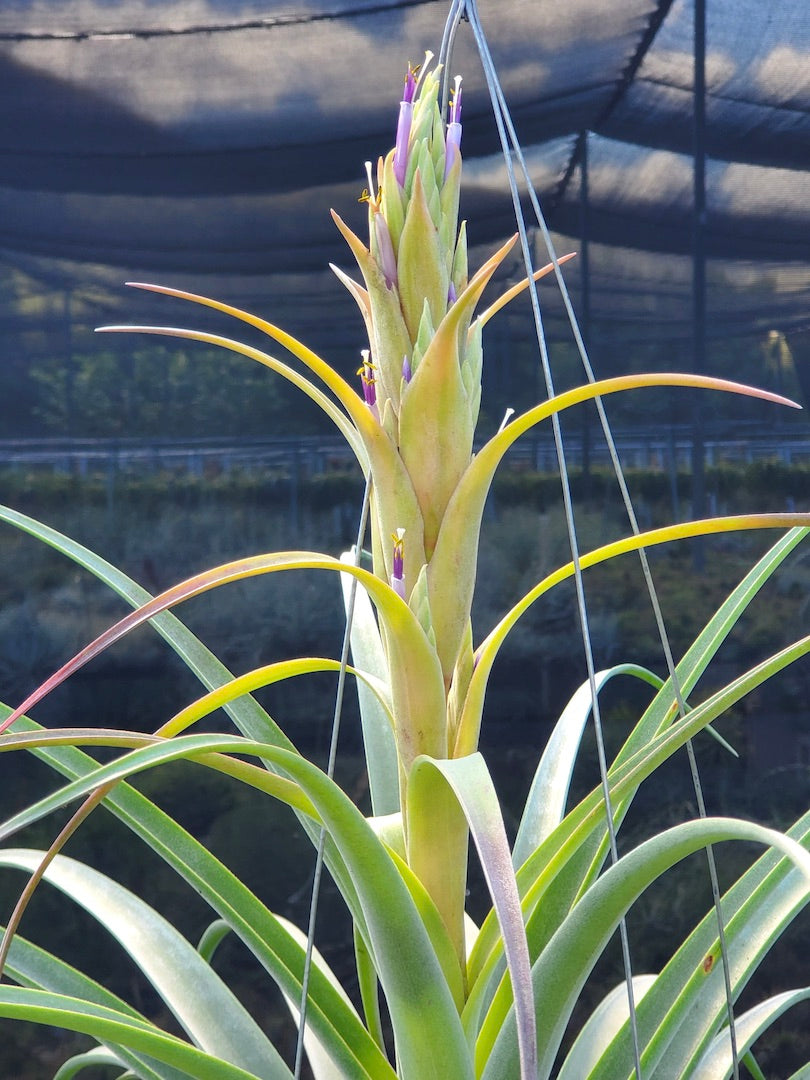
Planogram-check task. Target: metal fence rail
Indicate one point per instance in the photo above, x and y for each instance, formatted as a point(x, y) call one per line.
point(654, 449)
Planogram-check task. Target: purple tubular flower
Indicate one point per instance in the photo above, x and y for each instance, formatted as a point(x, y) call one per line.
point(388, 260)
point(451, 294)
point(366, 373)
point(397, 572)
point(453, 137)
point(406, 369)
point(404, 127)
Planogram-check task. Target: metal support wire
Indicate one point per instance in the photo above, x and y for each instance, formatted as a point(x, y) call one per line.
point(510, 144)
point(608, 434)
point(330, 771)
point(456, 14)
point(467, 10)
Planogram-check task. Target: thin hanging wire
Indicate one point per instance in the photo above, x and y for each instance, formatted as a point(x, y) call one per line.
point(500, 111)
point(656, 606)
point(651, 590)
point(330, 771)
point(456, 14)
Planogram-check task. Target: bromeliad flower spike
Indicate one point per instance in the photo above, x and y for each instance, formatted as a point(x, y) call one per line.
point(413, 420)
point(456, 1012)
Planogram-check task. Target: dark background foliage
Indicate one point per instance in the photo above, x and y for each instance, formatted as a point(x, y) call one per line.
point(161, 528)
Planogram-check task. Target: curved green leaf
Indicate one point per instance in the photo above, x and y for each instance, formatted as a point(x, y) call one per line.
point(600, 1027)
point(107, 1025)
point(663, 707)
point(470, 723)
point(37, 969)
point(97, 1058)
point(266, 676)
point(545, 805)
point(202, 1004)
point(716, 1063)
point(212, 937)
point(250, 920)
point(560, 972)
point(677, 1023)
point(208, 749)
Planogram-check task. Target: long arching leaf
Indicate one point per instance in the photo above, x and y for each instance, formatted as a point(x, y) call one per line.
point(545, 805)
point(341, 421)
point(36, 969)
point(203, 1005)
point(488, 650)
point(688, 1008)
point(246, 712)
point(107, 1025)
point(455, 555)
point(99, 1057)
point(418, 684)
point(557, 980)
point(716, 1063)
point(250, 920)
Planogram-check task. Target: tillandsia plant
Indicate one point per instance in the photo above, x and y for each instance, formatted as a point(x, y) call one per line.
point(439, 997)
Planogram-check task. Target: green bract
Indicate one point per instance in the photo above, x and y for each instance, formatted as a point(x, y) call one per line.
point(463, 1001)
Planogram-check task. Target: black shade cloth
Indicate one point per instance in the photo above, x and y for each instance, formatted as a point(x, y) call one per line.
point(202, 143)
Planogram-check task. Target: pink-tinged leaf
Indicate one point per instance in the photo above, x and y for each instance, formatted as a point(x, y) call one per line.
point(341, 421)
point(417, 685)
point(472, 787)
point(516, 290)
point(393, 489)
point(339, 387)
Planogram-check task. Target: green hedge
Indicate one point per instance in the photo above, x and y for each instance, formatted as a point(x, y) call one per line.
point(762, 483)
